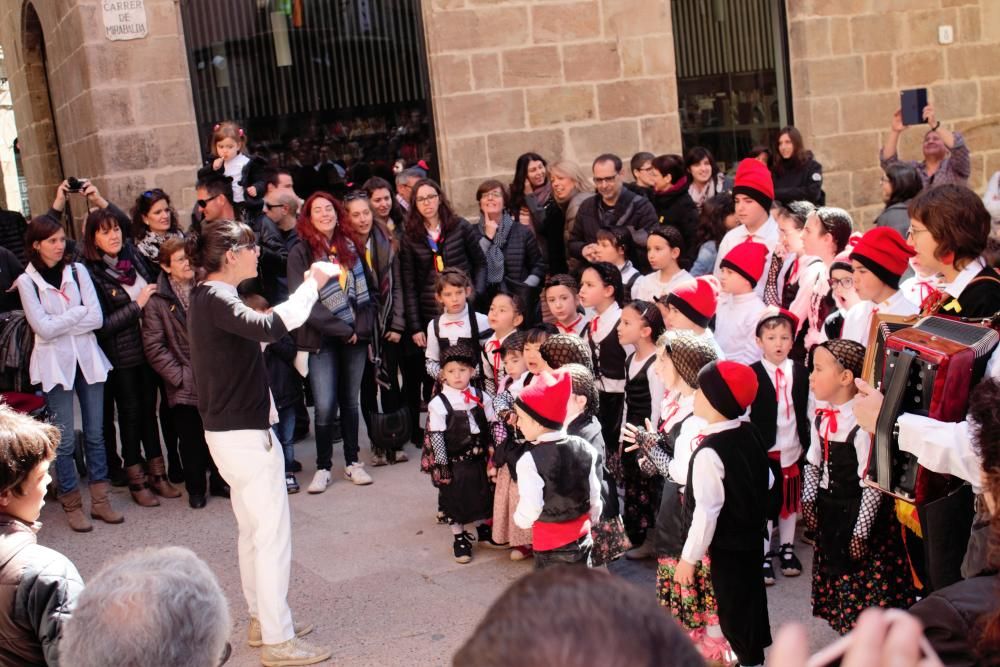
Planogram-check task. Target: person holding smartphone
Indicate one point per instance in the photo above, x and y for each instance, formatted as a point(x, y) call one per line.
point(946, 157)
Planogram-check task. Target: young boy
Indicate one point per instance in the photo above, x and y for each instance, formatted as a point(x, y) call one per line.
point(663, 248)
point(286, 389)
point(558, 479)
point(780, 411)
point(614, 245)
point(726, 502)
point(38, 586)
point(879, 259)
point(691, 307)
point(457, 323)
point(505, 316)
point(738, 313)
point(459, 434)
point(561, 296)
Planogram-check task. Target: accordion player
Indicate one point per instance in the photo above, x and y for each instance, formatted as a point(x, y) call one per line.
point(929, 369)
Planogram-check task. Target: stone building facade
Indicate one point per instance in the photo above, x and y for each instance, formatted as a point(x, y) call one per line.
point(566, 78)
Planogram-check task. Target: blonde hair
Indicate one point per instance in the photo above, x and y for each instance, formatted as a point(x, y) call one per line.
point(571, 170)
point(227, 129)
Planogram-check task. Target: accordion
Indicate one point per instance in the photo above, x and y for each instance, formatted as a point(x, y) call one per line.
point(928, 369)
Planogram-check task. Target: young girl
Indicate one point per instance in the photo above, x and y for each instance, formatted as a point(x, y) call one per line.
point(601, 289)
point(227, 146)
point(640, 326)
point(858, 539)
point(457, 323)
point(564, 304)
point(505, 316)
point(533, 341)
point(458, 432)
point(663, 248)
point(843, 291)
point(614, 245)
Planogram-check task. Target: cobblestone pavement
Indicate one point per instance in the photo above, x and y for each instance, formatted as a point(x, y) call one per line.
point(370, 568)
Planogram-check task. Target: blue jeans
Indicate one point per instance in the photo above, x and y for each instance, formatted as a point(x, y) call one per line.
point(285, 431)
point(335, 377)
point(60, 402)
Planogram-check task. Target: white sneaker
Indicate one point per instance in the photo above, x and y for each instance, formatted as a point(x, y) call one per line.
point(321, 480)
point(356, 473)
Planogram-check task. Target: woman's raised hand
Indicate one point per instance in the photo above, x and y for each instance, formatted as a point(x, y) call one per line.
point(321, 272)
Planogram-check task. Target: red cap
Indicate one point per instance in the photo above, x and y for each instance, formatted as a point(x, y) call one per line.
point(729, 386)
point(774, 311)
point(883, 252)
point(747, 259)
point(696, 299)
point(546, 399)
point(753, 179)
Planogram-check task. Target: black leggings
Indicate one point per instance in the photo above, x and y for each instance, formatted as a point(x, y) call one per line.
point(133, 392)
point(194, 449)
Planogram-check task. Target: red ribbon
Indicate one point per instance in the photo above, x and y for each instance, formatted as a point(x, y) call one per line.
point(793, 272)
point(830, 414)
point(593, 325)
point(471, 398)
point(671, 411)
point(571, 328)
point(497, 362)
point(781, 384)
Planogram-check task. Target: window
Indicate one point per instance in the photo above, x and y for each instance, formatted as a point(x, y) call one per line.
point(335, 90)
point(732, 74)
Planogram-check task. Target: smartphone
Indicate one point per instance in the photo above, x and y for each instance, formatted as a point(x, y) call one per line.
point(912, 102)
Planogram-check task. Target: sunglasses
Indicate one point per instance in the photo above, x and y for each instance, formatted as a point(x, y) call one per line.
point(155, 192)
point(355, 195)
point(202, 203)
point(271, 207)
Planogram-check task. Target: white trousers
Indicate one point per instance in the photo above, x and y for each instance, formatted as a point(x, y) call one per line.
point(256, 476)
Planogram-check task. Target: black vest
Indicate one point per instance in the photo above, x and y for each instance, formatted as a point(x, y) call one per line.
point(764, 409)
point(608, 355)
point(741, 522)
point(840, 461)
point(638, 400)
point(980, 298)
point(564, 466)
point(459, 438)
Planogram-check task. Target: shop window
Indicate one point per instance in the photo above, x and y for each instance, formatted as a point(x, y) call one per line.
point(732, 74)
point(335, 90)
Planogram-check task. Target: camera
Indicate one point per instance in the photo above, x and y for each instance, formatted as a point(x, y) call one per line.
point(73, 184)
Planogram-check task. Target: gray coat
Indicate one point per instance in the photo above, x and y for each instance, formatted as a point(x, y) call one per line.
point(895, 216)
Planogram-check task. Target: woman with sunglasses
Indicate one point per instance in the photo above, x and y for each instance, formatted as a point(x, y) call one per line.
point(337, 333)
point(434, 238)
point(153, 222)
point(124, 287)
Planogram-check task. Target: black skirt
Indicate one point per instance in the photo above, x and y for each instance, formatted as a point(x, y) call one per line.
point(468, 497)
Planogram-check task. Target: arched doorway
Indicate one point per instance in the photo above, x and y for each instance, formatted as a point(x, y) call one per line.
point(41, 159)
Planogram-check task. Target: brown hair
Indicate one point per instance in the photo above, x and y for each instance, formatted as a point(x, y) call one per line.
point(562, 280)
point(493, 184)
point(255, 302)
point(40, 228)
point(956, 219)
point(227, 129)
point(25, 442)
point(169, 247)
point(453, 277)
point(100, 219)
point(143, 205)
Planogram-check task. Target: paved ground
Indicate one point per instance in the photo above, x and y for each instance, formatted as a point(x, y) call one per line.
point(370, 567)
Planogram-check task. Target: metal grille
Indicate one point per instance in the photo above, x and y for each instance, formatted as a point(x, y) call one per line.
point(714, 37)
point(981, 339)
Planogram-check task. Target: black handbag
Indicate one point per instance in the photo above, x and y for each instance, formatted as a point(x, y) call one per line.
point(389, 431)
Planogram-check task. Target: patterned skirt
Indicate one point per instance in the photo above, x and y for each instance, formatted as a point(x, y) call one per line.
point(610, 541)
point(693, 606)
point(505, 498)
point(642, 499)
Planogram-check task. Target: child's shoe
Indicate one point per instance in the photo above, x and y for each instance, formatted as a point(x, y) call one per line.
point(521, 553)
point(463, 548)
point(809, 537)
point(291, 484)
point(790, 565)
point(716, 650)
point(768, 571)
point(484, 535)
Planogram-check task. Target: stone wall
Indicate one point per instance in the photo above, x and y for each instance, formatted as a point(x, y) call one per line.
point(123, 110)
point(566, 79)
point(850, 59)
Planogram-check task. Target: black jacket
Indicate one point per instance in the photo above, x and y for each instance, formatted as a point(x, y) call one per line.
point(321, 323)
point(273, 260)
point(10, 269)
point(12, 230)
point(764, 409)
point(799, 183)
point(521, 256)
point(385, 259)
point(631, 210)
point(119, 336)
point(252, 175)
point(677, 209)
point(953, 619)
point(548, 222)
point(284, 380)
point(461, 250)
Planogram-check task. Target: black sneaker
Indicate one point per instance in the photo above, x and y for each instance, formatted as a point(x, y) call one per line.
point(789, 564)
point(809, 537)
point(463, 548)
point(291, 484)
point(484, 536)
point(768, 571)
point(295, 466)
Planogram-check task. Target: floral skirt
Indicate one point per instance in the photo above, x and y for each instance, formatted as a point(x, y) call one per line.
point(693, 606)
point(610, 541)
point(505, 498)
point(642, 499)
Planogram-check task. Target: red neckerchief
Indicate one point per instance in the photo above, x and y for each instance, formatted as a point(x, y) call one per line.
point(471, 398)
point(780, 383)
point(830, 414)
point(926, 289)
point(571, 328)
point(497, 361)
point(793, 272)
point(593, 325)
point(696, 441)
point(672, 408)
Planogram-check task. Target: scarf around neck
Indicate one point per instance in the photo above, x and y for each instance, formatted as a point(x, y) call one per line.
point(182, 291)
point(543, 194)
point(494, 249)
point(121, 269)
point(150, 244)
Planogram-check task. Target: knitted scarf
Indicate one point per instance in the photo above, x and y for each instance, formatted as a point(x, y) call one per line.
point(494, 249)
point(182, 291)
point(342, 297)
point(121, 269)
point(150, 244)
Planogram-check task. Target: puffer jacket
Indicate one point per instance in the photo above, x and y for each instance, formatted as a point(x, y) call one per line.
point(675, 207)
point(39, 588)
point(165, 340)
point(548, 222)
point(799, 183)
point(521, 255)
point(895, 216)
point(12, 229)
point(119, 337)
point(460, 250)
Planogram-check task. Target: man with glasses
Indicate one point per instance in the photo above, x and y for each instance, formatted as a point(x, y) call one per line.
point(405, 180)
point(214, 200)
point(612, 206)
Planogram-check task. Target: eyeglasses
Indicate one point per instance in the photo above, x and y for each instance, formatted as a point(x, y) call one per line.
point(606, 180)
point(246, 246)
point(181, 260)
point(271, 207)
point(427, 199)
point(354, 195)
point(911, 232)
point(846, 283)
point(493, 195)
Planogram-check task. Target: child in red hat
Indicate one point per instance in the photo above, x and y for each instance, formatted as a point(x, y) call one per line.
point(738, 312)
point(558, 479)
point(691, 307)
point(879, 260)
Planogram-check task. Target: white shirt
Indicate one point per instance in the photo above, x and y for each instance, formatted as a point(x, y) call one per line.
point(607, 323)
point(707, 473)
point(845, 422)
point(916, 288)
point(452, 327)
point(437, 415)
point(767, 234)
point(787, 435)
point(648, 287)
point(964, 277)
point(531, 486)
point(686, 441)
point(628, 272)
point(493, 363)
point(64, 321)
point(234, 170)
point(858, 320)
point(576, 327)
point(735, 326)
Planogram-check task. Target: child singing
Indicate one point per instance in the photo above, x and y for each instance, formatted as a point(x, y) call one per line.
point(505, 316)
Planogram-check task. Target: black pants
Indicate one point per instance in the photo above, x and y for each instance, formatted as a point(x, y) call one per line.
point(167, 425)
point(742, 602)
point(575, 553)
point(391, 397)
point(194, 449)
point(416, 385)
point(133, 392)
